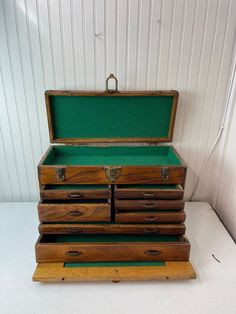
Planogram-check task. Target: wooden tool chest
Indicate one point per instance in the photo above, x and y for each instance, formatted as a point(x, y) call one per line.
point(111, 195)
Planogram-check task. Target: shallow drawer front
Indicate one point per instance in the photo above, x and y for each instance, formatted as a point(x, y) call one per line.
point(75, 192)
point(149, 205)
point(76, 228)
point(88, 212)
point(150, 217)
point(149, 191)
point(67, 248)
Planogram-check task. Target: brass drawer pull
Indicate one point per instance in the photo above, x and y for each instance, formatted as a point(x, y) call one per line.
point(150, 231)
point(150, 218)
point(75, 195)
point(152, 252)
point(149, 205)
point(74, 230)
point(75, 213)
point(148, 194)
point(73, 253)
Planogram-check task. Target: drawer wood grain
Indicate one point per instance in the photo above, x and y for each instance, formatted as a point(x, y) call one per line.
point(149, 204)
point(112, 251)
point(88, 212)
point(76, 228)
point(150, 217)
point(121, 192)
point(71, 193)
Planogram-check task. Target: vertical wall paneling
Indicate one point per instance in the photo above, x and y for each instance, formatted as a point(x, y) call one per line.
point(149, 44)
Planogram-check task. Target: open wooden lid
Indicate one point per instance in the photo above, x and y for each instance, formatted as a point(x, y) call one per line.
point(111, 117)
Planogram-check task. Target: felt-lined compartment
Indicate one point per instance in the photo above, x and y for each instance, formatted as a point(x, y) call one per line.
point(75, 187)
point(149, 186)
point(107, 238)
point(104, 116)
point(115, 155)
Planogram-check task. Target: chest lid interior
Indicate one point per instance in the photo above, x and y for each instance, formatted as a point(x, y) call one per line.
point(105, 117)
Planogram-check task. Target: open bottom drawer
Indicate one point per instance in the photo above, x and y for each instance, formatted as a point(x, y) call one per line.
point(112, 247)
point(47, 272)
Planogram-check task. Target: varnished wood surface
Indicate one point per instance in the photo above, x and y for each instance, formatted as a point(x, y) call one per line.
point(76, 228)
point(113, 251)
point(55, 212)
point(72, 194)
point(141, 193)
point(97, 175)
point(47, 272)
point(149, 205)
point(150, 217)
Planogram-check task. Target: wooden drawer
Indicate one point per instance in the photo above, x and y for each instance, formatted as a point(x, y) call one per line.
point(149, 205)
point(150, 217)
point(71, 192)
point(89, 248)
point(76, 211)
point(111, 228)
point(152, 191)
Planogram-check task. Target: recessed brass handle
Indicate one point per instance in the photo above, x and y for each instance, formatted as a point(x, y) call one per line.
point(75, 195)
point(75, 213)
point(148, 194)
point(150, 231)
point(150, 218)
point(149, 205)
point(73, 253)
point(152, 252)
point(74, 230)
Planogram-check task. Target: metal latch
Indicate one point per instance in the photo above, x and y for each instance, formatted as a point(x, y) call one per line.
point(165, 173)
point(112, 173)
point(61, 173)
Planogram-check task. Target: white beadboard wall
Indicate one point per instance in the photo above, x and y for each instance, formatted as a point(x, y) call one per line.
point(75, 44)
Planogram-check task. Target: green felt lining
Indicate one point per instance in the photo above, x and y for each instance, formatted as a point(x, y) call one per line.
point(115, 155)
point(111, 117)
point(108, 238)
point(112, 264)
point(75, 187)
point(149, 186)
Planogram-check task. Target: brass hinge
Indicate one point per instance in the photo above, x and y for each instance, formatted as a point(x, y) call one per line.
point(61, 173)
point(112, 173)
point(165, 173)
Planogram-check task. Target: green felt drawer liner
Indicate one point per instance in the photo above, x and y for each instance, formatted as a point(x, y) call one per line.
point(149, 186)
point(110, 117)
point(76, 187)
point(115, 155)
point(101, 238)
point(113, 264)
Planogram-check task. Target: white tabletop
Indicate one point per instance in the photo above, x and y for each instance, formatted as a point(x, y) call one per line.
point(214, 290)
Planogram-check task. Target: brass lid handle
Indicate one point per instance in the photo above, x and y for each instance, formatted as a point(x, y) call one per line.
point(112, 76)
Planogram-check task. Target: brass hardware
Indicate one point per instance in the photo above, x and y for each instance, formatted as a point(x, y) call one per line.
point(150, 231)
point(75, 213)
point(75, 195)
point(112, 173)
point(148, 194)
point(165, 173)
point(111, 76)
point(61, 173)
point(73, 253)
point(152, 252)
point(150, 218)
point(149, 205)
point(74, 230)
